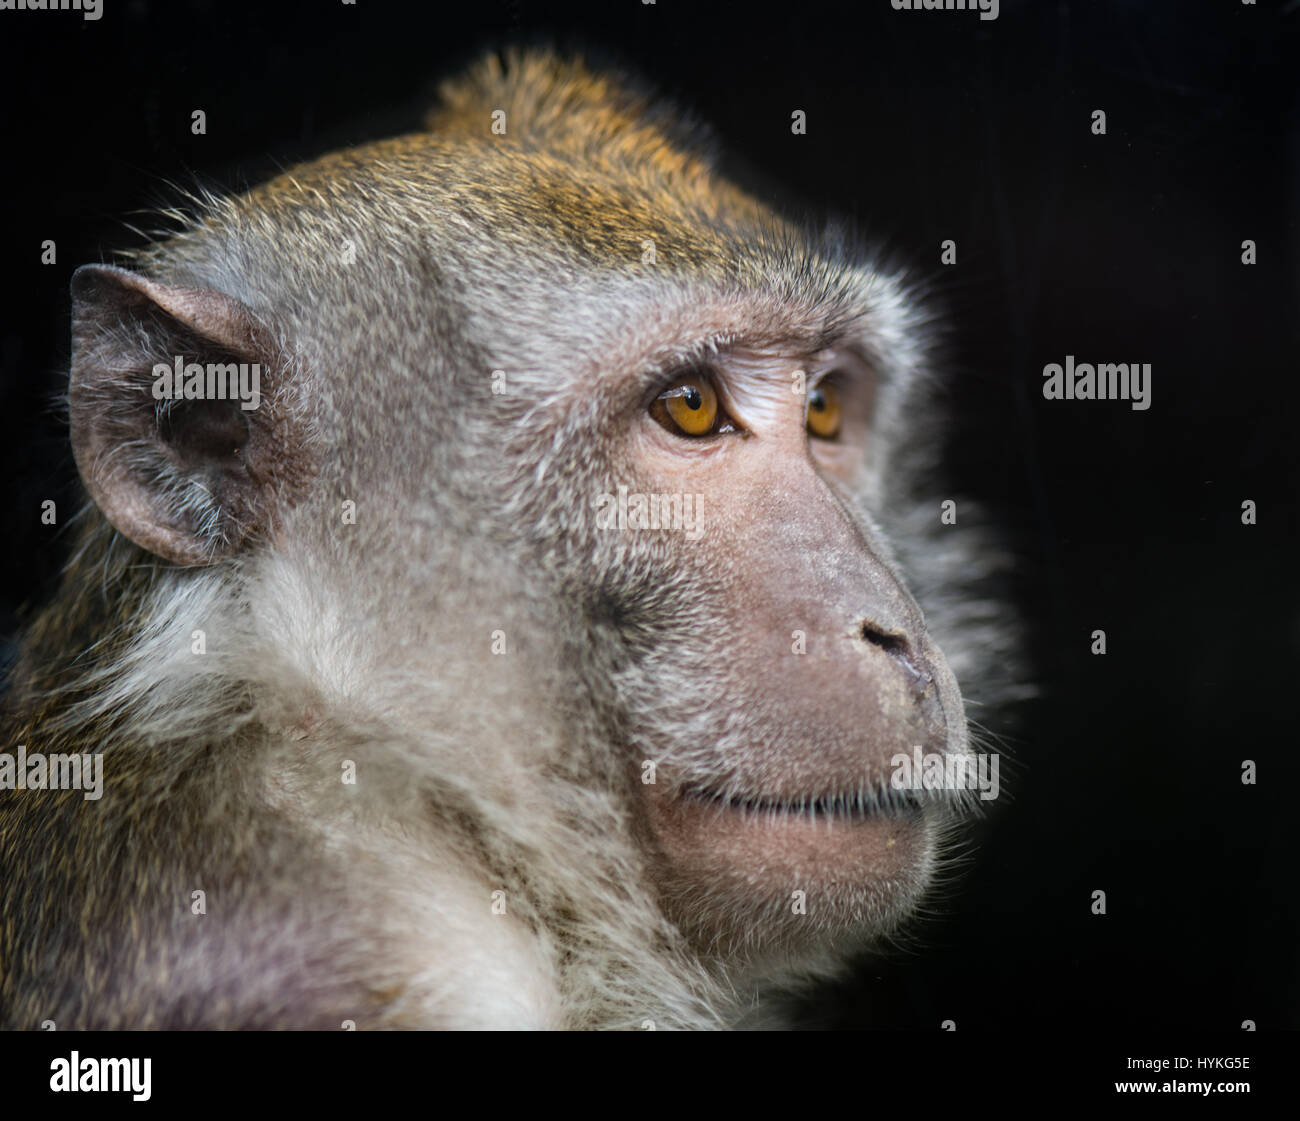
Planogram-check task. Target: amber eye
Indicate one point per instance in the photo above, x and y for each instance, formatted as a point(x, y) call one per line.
point(689, 407)
point(824, 411)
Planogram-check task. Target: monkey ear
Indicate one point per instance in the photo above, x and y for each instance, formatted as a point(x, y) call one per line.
point(173, 417)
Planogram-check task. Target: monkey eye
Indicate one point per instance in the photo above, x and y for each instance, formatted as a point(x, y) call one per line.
point(824, 410)
point(689, 407)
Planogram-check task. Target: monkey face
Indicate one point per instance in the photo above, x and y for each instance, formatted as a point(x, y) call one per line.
point(789, 665)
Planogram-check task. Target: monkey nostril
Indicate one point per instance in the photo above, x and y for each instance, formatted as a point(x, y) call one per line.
point(888, 641)
point(899, 648)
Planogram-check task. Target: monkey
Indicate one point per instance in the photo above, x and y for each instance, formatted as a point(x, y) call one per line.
point(498, 598)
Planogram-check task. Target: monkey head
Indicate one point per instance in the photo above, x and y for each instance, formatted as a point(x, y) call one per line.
point(540, 372)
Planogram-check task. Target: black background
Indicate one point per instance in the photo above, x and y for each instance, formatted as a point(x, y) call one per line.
point(922, 126)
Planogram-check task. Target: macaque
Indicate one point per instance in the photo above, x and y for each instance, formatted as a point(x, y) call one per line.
point(498, 600)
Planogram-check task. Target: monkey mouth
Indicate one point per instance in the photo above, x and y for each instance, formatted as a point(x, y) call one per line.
point(870, 844)
point(847, 808)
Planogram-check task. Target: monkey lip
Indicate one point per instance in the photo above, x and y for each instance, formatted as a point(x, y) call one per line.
point(828, 808)
point(762, 839)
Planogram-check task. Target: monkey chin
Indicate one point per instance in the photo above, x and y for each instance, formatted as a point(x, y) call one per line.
point(764, 878)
